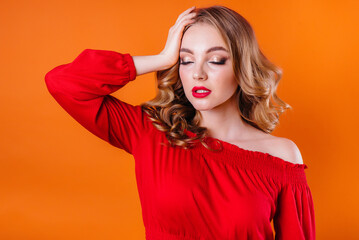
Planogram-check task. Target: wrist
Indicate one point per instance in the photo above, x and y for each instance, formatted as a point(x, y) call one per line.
point(165, 61)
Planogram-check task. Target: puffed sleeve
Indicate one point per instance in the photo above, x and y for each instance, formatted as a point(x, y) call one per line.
point(294, 217)
point(83, 89)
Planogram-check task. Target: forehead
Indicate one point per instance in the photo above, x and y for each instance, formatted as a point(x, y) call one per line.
point(201, 36)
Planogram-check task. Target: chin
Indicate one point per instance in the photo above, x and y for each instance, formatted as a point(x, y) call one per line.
point(202, 107)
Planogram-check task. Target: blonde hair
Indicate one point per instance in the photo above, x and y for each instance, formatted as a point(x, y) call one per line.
point(171, 112)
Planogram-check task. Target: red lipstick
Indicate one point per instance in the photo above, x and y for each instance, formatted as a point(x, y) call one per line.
point(200, 94)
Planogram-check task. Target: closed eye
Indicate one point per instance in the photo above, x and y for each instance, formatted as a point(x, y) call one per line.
point(185, 63)
point(223, 61)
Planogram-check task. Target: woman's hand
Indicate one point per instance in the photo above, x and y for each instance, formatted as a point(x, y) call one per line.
point(169, 55)
point(171, 51)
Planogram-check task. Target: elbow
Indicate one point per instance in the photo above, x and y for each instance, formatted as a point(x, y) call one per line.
point(50, 79)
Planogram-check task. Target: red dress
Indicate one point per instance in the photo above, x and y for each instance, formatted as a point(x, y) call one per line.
point(193, 194)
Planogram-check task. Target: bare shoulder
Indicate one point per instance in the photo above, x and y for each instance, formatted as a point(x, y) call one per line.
point(285, 149)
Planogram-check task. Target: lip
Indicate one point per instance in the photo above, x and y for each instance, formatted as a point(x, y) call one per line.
point(200, 95)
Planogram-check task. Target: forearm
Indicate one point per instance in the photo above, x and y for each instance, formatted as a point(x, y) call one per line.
point(150, 63)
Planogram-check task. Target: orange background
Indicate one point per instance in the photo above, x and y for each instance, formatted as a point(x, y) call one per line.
point(58, 181)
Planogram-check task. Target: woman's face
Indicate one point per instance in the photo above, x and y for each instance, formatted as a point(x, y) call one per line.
point(205, 61)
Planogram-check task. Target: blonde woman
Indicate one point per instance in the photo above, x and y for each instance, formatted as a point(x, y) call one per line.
point(206, 164)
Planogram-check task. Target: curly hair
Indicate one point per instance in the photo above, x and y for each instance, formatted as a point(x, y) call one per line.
point(258, 104)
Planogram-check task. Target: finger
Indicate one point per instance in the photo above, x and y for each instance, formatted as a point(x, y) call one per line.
point(178, 31)
point(182, 24)
point(189, 16)
point(185, 12)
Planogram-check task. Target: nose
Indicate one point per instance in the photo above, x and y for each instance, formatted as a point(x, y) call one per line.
point(199, 73)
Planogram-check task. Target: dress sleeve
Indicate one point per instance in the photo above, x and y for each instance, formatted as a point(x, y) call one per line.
point(294, 217)
point(83, 89)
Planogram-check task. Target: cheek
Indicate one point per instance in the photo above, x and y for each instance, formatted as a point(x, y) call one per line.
point(223, 75)
point(225, 81)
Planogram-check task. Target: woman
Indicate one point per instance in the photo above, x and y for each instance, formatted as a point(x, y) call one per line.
point(206, 164)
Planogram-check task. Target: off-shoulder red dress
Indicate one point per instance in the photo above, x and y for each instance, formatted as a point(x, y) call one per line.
point(193, 194)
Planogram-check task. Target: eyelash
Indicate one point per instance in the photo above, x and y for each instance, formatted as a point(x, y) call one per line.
point(222, 62)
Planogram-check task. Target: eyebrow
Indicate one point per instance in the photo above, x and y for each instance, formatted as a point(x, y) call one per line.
point(217, 48)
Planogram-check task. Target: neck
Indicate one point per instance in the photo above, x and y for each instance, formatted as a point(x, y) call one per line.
point(225, 122)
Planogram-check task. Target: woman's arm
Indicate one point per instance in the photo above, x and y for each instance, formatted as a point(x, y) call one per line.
point(294, 218)
point(83, 88)
point(169, 56)
point(147, 64)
